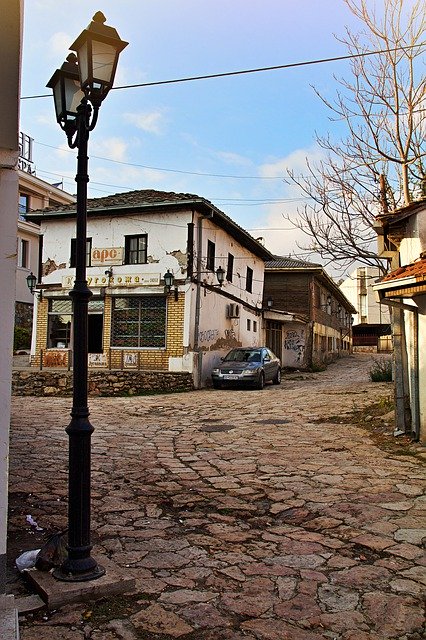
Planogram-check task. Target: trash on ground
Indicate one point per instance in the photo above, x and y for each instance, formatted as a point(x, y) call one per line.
point(27, 560)
point(53, 552)
point(33, 523)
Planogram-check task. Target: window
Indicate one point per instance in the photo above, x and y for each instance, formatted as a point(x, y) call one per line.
point(248, 324)
point(249, 280)
point(230, 267)
point(23, 254)
point(136, 249)
point(24, 205)
point(59, 324)
point(88, 252)
point(211, 250)
point(254, 326)
point(139, 322)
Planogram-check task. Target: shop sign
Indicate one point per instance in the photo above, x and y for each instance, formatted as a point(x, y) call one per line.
point(107, 255)
point(25, 160)
point(130, 360)
point(124, 280)
point(97, 360)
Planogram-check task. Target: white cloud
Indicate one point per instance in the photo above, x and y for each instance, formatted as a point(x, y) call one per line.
point(233, 158)
point(59, 44)
point(295, 162)
point(111, 148)
point(150, 121)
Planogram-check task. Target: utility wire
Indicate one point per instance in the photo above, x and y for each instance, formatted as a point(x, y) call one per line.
point(290, 65)
point(190, 173)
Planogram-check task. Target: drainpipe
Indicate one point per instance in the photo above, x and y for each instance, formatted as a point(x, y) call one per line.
point(199, 264)
point(198, 301)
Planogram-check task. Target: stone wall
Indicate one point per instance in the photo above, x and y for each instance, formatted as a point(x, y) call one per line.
point(101, 383)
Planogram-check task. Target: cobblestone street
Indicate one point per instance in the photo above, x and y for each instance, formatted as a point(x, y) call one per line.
point(242, 515)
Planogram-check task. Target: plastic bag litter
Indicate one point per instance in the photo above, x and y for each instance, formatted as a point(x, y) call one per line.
point(33, 523)
point(53, 552)
point(27, 560)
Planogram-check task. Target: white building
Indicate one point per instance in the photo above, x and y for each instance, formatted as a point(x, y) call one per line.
point(358, 289)
point(402, 239)
point(133, 240)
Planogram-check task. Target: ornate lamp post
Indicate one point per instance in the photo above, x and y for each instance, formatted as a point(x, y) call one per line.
point(79, 87)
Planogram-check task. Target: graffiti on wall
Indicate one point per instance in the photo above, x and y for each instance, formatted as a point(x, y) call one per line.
point(209, 335)
point(295, 341)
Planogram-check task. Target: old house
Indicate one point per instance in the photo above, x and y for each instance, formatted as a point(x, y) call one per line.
point(402, 240)
point(175, 284)
point(308, 321)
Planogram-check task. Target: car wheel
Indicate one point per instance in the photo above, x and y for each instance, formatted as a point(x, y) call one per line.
point(261, 381)
point(277, 379)
point(217, 385)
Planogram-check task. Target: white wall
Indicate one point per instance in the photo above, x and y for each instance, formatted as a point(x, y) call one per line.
point(350, 287)
point(414, 242)
point(10, 55)
point(217, 333)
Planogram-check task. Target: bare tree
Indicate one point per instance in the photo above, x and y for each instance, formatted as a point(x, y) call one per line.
point(380, 164)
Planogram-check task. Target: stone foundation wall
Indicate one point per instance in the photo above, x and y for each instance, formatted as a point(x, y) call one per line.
point(101, 383)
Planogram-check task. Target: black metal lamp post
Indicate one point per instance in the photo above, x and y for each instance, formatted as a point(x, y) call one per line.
point(79, 88)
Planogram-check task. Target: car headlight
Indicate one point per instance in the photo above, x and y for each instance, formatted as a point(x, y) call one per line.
point(249, 372)
point(216, 371)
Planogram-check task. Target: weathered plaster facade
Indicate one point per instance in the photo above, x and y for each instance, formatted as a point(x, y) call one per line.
point(402, 239)
point(185, 235)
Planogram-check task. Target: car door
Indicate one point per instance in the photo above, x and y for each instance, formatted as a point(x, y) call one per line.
point(268, 365)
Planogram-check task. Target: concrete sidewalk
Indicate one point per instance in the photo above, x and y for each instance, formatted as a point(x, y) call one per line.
point(242, 515)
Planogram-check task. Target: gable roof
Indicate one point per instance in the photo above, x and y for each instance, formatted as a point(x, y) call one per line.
point(287, 265)
point(144, 201)
point(403, 212)
point(283, 262)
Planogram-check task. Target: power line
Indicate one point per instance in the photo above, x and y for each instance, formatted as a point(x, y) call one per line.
point(290, 65)
point(144, 166)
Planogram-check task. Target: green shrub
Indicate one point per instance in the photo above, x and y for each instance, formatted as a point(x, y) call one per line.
point(21, 339)
point(381, 371)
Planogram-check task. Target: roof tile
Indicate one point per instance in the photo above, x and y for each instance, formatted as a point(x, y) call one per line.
point(415, 270)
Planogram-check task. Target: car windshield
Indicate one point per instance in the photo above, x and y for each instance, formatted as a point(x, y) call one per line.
point(243, 355)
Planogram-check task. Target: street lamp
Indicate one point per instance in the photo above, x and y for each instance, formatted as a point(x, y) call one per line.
point(31, 282)
point(79, 87)
point(169, 280)
point(220, 275)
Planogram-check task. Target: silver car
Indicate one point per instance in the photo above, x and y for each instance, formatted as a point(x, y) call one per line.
point(249, 367)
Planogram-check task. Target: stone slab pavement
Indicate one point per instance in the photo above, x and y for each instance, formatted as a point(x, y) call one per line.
point(242, 515)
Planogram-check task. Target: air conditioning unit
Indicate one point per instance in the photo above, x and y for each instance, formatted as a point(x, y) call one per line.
point(233, 310)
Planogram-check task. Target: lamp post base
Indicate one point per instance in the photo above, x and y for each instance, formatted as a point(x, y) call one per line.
point(65, 575)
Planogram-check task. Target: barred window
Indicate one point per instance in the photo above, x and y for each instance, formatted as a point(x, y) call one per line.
point(139, 322)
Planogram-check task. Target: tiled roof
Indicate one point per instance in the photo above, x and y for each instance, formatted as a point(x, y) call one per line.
point(129, 199)
point(282, 262)
point(415, 270)
point(403, 212)
point(144, 198)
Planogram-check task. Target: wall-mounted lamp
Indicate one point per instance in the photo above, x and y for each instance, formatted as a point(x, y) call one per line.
point(220, 275)
point(168, 284)
point(269, 302)
point(31, 284)
point(108, 273)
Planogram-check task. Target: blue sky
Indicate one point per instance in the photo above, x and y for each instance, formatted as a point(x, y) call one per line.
point(252, 126)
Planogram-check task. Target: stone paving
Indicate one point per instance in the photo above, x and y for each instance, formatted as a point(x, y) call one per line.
point(242, 515)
